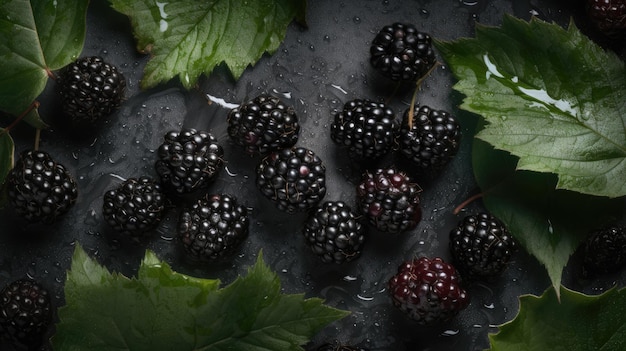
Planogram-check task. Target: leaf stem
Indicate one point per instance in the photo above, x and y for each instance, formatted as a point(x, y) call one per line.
point(460, 207)
point(33, 105)
point(418, 84)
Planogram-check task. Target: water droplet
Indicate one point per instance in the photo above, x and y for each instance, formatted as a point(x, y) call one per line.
point(356, 19)
point(349, 278)
point(450, 332)
point(424, 13)
point(326, 38)
point(490, 306)
point(364, 298)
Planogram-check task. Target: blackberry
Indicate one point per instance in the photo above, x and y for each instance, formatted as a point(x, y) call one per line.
point(365, 128)
point(334, 233)
point(134, 207)
point(609, 16)
point(428, 290)
point(189, 160)
point(90, 89)
point(401, 52)
point(213, 228)
point(481, 246)
point(604, 251)
point(389, 200)
point(39, 188)
point(263, 125)
point(294, 179)
point(430, 138)
point(25, 313)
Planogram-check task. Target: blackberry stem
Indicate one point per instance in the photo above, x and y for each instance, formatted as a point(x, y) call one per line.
point(33, 105)
point(418, 84)
point(37, 138)
point(466, 202)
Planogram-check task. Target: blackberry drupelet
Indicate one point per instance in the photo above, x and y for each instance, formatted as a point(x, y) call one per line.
point(430, 139)
point(39, 188)
point(401, 52)
point(481, 246)
point(90, 89)
point(609, 16)
point(428, 290)
point(366, 129)
point(25, 313)
point(334, 233)
point(134, 207)
point(604, 251)
point(389, 200)
point(263, 125)
point(213, 228)
point(189, 160)
point(294, 179)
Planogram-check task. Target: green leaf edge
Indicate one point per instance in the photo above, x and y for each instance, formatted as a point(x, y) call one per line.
point(442, 46)
point(579, 297)
point(81, 261)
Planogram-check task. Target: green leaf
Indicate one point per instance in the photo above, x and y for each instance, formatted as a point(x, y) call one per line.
point(577, 322)
point(36, 37)
point(165, 310)
point(549, 223)
point(551, 97)
point(7, 150)
point(189, 38)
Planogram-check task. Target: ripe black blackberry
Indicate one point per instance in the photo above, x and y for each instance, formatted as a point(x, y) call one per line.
point(604, 251)
point(609, 16)
point(401, 52)
point(481, 246)
point(189, 160)
point(428, 290)
point(263, 125)
point(334, 233)
point(134, 207)
point(25, 313)
point(213, 228)
point(430, 139)
point(90, 89)
point(367, 129)
point(39, 188)
point(389, 200)
point(294, 179)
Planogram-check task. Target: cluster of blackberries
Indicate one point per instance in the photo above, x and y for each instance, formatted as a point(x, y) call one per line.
point(431, 291)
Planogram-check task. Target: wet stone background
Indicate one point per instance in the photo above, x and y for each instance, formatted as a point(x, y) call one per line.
point(317, 69)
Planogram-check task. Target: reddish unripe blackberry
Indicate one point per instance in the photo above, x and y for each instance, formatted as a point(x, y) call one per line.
point(134, 207)
point(366, 129)
point(389, 200)
point(39, 188)
point(481, 246)
point(293, 179)
point(604, 251)
point(90, 89)
point(334, 232)
point(608, 15)
point(263, 125)
point(213, 228)
point(430, 138)
point(25, 313)
point(401, 52)
point(189, 160)
point(428, 290)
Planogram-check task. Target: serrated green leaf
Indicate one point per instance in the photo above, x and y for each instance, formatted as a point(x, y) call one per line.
point(36, 37)
point(165, 310)
point(189, 38)
point(548, 222)
point(551, 97)
point(577, 322)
